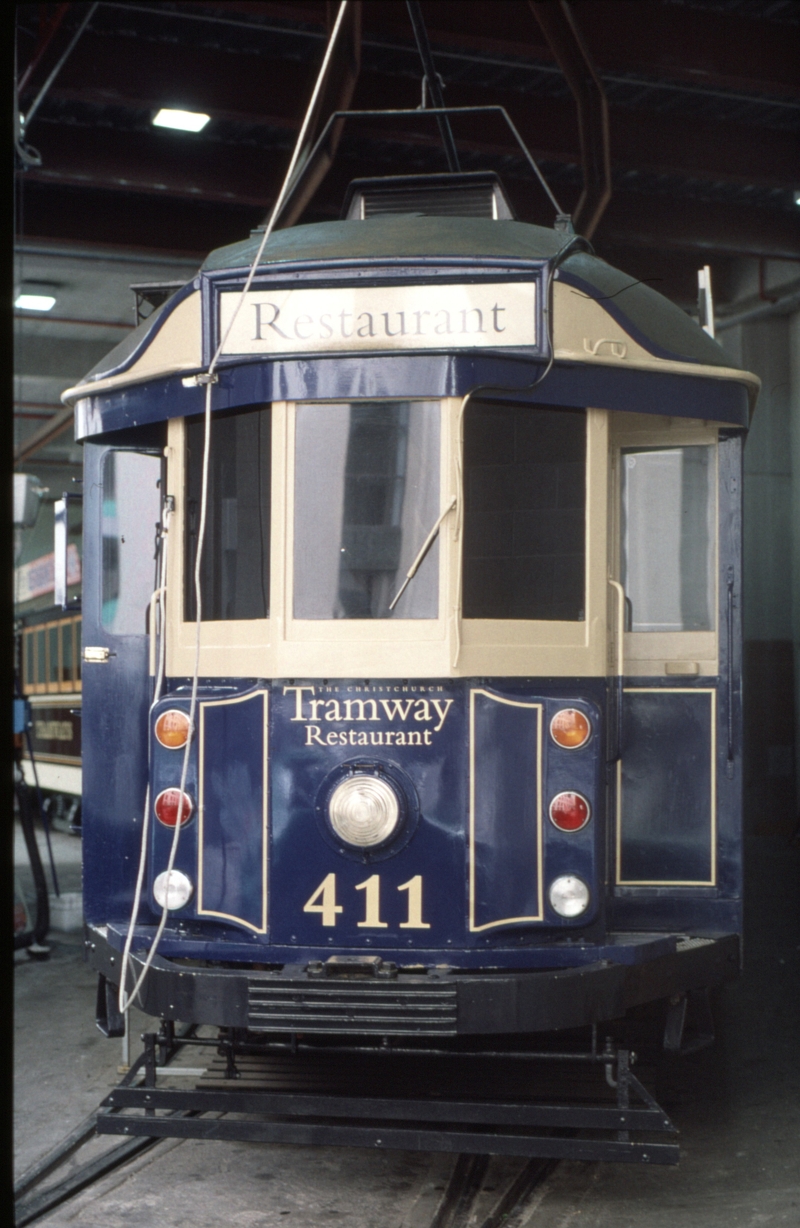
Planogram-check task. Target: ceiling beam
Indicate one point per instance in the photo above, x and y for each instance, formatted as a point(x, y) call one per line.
point(644, 220)
point(248, 96)
point(91, 215)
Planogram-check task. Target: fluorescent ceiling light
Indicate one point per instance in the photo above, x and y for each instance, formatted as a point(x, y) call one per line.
point(797, 198)
point(34, 302)
point(184, 121)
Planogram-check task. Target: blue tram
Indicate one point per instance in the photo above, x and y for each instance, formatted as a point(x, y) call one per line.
point(425, 721)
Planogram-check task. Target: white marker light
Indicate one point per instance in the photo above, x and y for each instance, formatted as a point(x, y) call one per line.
point(35, 302)
point(364, 810)
point(183, 121)
point(569, 896)
point(180, 890)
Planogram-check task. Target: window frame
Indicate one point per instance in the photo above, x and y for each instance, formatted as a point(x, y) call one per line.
point(664, 653)
point(447, 646)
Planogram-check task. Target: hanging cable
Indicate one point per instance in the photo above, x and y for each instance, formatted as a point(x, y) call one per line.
point(208, 379)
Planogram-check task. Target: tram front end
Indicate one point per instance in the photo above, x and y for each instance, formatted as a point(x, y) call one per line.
point(425, 720)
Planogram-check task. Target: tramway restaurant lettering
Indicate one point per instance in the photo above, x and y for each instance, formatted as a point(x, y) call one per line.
point(412, 720)
point(380, 318)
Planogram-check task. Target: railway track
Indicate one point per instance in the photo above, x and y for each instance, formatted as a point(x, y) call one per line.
point(468, 1198)
point(493, 1176)
point(467, 1190)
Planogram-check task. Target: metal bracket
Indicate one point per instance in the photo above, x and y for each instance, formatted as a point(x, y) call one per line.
point(689, 1024)
point(352, 966)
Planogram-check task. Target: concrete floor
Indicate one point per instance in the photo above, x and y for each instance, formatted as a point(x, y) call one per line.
point(737, 1105)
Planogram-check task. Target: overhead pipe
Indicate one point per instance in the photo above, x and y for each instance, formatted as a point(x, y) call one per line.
point(335, 94)
point(779, 307)
point(560, 28)
point(434, 87)
point(40, 97)
point(45, 40)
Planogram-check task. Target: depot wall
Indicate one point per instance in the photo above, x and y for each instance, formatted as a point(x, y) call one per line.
point(771, 569)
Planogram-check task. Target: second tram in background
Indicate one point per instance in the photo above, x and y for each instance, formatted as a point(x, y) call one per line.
point(48, 647)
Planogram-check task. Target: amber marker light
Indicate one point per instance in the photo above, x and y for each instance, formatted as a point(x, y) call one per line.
point(166, 807)
point(570, 728)
point(569, 811)
point(172, 729)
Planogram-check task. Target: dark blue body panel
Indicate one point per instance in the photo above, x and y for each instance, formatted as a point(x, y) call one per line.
point(695, 786)
point(116, 696)
point(377, 376)
point(668, 803)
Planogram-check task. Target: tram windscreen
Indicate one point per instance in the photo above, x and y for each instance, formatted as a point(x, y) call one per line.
point(524, 512)
point(366, 495)
point(668, 556)
point(234, 572)
point(130, 514)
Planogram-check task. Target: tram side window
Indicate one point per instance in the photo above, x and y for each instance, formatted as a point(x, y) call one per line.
point(131, 511)
point(234, 573)
point(524, 512)
point(366, 498)
point(668, 537)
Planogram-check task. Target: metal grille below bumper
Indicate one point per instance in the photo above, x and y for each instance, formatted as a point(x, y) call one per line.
point(360, 1009)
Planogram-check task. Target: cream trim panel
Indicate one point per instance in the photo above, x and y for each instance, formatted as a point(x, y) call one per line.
point(514, 647)
point(282, 647)
point(662, 653)
point(177, 346)
point(586, 333)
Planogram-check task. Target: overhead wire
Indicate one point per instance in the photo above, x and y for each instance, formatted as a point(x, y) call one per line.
point(208, 379)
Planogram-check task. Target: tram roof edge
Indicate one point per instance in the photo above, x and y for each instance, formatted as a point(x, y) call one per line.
point(169, 341)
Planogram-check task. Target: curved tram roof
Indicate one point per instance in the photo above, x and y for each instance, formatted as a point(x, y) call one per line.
point(618, 343)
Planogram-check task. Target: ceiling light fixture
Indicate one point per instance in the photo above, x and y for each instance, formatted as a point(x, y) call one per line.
point(34, 302)
point(183, 121)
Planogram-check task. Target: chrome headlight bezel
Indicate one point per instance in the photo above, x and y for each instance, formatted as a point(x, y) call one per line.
point(181, 890)
point(569, 897)
point(364, 810)
point(390, 777)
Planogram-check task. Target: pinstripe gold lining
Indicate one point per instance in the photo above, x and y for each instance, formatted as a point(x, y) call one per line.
point(512, 703)
point(210, 912)
point(674, 882)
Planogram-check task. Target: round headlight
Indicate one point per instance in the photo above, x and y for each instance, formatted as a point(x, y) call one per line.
point(364, 810)
point(569, 896)
point(172, 729)
point(569, 811)
point(166, 807)
point(570, 728)
point(179, 892)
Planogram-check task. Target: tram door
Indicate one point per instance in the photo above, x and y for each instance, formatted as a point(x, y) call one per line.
point(122, 501)
point(676, 597)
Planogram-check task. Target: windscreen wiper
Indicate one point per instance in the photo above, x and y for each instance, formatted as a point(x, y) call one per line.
point(424, 548)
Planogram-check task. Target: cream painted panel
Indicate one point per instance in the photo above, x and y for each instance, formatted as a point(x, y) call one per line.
point(284, 647)
point(239, 648)
point(584, 330)
point(383, 648)
point(660, 653)
point(518, 647)
point(177, 346)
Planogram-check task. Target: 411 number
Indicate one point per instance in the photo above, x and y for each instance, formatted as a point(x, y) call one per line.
point(323, 901)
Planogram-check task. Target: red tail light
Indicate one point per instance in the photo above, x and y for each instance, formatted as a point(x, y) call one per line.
point(569, 811)
point(166, 807)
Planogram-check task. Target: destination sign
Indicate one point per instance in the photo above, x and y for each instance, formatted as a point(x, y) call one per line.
point(488, 314)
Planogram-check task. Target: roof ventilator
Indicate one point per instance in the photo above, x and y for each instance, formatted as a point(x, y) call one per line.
point(461, 194)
